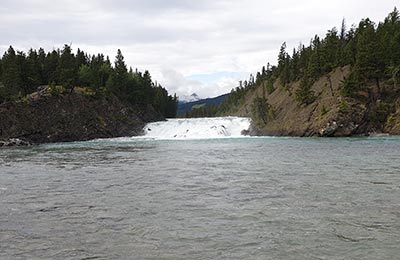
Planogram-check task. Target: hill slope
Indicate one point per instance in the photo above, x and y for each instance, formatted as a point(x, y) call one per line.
point(330, 114)
point(344, 84)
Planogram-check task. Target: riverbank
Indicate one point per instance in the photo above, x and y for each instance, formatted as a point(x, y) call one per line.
point(71, 117)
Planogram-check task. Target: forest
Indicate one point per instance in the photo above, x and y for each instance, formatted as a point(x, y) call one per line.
point(62, 71)
point(371, 50)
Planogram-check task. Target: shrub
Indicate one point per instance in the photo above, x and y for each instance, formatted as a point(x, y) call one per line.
point(343, 107)
point(350, 86)
point(261, 111)
point(324, 110)
point(270, 86)
point(55, 90)
point(304, 94)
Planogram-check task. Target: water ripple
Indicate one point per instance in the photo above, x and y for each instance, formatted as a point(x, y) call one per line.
point(272, 198)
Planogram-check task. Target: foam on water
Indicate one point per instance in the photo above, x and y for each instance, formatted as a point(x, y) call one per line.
point(197, 128)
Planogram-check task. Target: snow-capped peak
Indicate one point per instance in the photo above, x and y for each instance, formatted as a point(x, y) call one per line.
point(193, 97)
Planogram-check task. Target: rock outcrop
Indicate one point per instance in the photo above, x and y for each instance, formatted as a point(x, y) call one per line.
point(71, 117)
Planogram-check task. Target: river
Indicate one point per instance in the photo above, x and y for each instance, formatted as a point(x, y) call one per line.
point(221, 196)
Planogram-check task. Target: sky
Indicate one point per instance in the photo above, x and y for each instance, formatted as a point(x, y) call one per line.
point(202, 46)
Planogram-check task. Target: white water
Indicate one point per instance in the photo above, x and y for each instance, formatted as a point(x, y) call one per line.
point(197, 128)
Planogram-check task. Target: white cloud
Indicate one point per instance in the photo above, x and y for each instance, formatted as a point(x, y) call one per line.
point(186, 37)
point(176, 82)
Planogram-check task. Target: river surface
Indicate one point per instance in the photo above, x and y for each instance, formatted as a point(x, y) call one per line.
point(228, 198)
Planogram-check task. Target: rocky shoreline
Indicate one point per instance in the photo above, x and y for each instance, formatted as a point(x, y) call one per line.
point(14, 142)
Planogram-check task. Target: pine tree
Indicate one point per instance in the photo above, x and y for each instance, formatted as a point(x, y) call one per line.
point(50, 71)
point(314, 64)
point(22, 68)
point(33, 71)
point(11, 77)
point(81, 58)
point(283, 65)
point(367, 66)
point(41, 61)
point(343, 41)
point(304, 94)
point(120, 66)
point(343, 31)
point(118, 80)
point(67, 69)
point(330, 51)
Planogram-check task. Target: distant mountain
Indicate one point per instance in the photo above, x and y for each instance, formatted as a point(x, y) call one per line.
point(184, 107)
point(192, 98)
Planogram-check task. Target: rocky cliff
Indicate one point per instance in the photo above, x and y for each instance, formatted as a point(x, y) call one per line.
point(374, 111)
point(71, 117)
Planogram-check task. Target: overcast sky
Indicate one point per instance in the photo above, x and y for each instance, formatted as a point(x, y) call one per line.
point(201, 46)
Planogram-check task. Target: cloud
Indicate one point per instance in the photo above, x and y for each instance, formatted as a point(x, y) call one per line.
point(204, 85)
point(177, 83)
point(176, 39)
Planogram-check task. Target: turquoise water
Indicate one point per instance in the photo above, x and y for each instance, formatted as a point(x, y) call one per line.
point(243, 198)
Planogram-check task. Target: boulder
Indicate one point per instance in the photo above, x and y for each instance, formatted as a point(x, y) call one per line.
point(329, 129)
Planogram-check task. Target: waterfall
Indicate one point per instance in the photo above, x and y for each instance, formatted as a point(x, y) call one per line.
point(197, 128)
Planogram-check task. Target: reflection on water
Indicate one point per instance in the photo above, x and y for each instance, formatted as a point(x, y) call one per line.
point(250, 198)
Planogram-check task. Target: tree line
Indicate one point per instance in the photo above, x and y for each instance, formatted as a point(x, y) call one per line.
point(203, 111)
point(21, 74)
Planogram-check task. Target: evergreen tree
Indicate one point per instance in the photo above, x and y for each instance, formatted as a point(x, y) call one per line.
point(81, 58)
point(304, 94)
point(343, 31)
point(41, 61)
point(50, 71)
point(314, 69)
point(330, 51)
point(33, 71)
point(86, 77)
point(118, 80)
point(283, 65)
point(67, 69)
point(11, 77)
point(366, 65)
point(350, 48)
point(22, 68)
point(294, 66)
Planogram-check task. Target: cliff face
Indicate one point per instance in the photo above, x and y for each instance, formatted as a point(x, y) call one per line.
point(331, 114)
point(72, 117)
